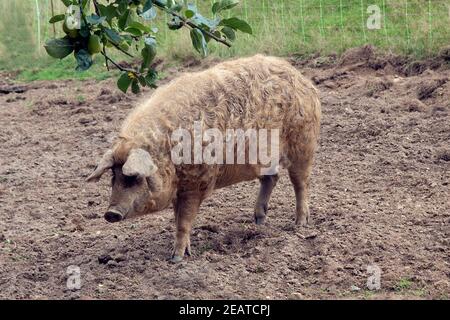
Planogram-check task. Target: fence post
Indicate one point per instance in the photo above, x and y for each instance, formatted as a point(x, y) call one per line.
point(342, 24)
point(408, 36)
point(385, 23)
point(430, 27)
point(302, 21)
point(363, 22)
point(246, 15)
point(53, 13)
point(38, 16)
point(322, 31)
point(264, 15)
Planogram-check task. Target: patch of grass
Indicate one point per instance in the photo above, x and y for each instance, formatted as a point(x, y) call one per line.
point(403, 284)
point(29, 104)
point(64, 69)
point(367, 294)
point(81, 98)
point(285, 27)
point(420, 293)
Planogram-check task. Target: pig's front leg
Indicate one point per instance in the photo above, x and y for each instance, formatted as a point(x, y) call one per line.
point(185, 207)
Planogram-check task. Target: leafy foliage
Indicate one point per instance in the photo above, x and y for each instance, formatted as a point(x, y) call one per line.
point(94, 26)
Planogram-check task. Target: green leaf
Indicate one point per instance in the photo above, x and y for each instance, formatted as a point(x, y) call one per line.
point(124, 82)
point(147, 6)
point(134, 31)
point(151, 78)
point(124, 19)
point(59, 48)
point(113, 36)
point(84, 60)
point(148, 52)
point(57, 18)
point(85, 3)
point(95, 19)
point(150, 14)
point(142, 81)
point(224, 5)
point(107, 11)
point(229, 33)
point(205, 23)
point(162, 3)
point(67, 2)
point(85, 31)
point(237, 24)
point(135, 86)
point(140, 26)
point(199, 41)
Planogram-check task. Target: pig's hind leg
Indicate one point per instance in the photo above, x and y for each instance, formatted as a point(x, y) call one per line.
point(299, 174)
point(265, 190)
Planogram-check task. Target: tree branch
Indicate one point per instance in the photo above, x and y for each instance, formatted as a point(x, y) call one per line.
point(97, 12)
point(192, 25)
point(118, 66)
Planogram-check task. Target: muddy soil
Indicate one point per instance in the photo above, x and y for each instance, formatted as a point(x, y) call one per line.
point(379, 197)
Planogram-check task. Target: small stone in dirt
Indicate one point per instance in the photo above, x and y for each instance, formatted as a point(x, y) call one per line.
point(443, 155)
point(296, 296)
point(311, 236)
point(112, 264)
point(84, 120)
point(375, 86)
point(357, 55)
point(105, 92)
point(104, 258)
point(210, 228)
point(120, 258)
point(51, 86)
point(354, 288)
point(2, 237)
point(82, 110)
point(90, 215)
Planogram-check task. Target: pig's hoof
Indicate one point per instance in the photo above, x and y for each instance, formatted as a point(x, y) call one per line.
point(260, 219)
point(176, 259)
point(302, 221)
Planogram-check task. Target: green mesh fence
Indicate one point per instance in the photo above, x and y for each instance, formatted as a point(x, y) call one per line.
point(419, 27)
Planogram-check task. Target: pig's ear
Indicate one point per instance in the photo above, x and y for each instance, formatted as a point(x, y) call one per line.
point(105, 163)
point(139, 163)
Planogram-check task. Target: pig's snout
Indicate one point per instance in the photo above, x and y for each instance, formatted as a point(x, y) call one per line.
point(113, 215)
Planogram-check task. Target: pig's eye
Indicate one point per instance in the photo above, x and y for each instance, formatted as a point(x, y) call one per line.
point(130, 181)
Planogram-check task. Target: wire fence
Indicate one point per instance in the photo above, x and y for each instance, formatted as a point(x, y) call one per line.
point(408, 26)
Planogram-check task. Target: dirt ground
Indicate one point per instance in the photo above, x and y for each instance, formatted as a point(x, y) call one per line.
point(379, 197)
